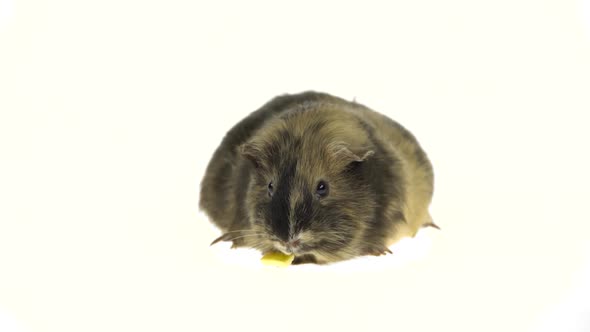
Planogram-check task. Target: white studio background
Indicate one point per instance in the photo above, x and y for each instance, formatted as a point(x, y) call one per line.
point(110, 111)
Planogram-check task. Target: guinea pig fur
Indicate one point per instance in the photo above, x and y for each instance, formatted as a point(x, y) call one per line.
point(319, 177)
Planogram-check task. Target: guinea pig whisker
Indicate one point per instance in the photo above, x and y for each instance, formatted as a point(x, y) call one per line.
point(337, 236)
point(244, 236)
point(241, 230)
point(230, 237)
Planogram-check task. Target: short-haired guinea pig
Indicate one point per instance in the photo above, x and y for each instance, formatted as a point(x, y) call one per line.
point(319, 177)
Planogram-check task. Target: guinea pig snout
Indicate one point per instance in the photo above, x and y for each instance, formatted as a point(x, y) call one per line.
point(292, 246)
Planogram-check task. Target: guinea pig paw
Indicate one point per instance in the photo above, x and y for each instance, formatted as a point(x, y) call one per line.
point(237, 244)
point(431, 224)
point(304, 259)
point(378, 251)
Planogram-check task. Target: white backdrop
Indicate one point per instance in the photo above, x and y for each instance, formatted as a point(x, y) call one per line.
point(110, 111)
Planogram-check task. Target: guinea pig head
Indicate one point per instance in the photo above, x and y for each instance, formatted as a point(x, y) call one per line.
point(309, 191)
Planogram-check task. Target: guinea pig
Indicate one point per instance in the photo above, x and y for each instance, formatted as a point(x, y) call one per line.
point(318, 177)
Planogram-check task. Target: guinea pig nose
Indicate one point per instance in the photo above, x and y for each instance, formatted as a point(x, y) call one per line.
point(293, 243)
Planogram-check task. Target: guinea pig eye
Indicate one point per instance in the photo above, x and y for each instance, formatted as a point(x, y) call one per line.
point(322, 189)
point(270, 188)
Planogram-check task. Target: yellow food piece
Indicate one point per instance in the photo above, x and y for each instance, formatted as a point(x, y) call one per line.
point(277, 259)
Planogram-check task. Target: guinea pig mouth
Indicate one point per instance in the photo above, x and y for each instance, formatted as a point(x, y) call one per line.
point(299, 250)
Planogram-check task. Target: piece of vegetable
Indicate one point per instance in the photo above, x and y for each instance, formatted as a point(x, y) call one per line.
point(277, 259)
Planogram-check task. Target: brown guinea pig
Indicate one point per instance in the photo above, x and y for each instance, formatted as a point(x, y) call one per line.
point(319, 177)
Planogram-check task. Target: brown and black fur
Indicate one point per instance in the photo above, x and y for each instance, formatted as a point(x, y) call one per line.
point(380, 180)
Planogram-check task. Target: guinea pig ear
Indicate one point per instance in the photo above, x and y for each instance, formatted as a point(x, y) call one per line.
point(346, 156)
point(251, 152)
point(364, 156)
